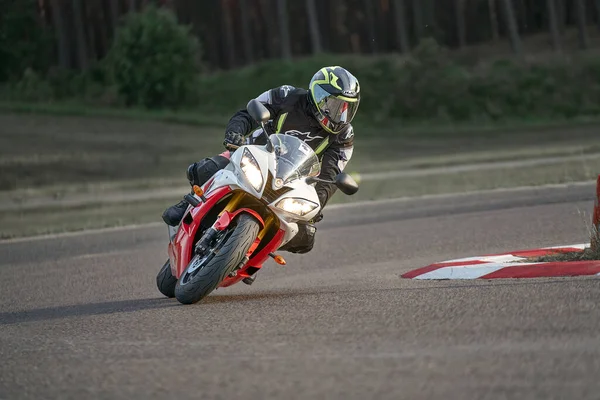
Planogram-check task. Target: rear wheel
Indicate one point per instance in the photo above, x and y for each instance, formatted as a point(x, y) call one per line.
point(206, 271)
point(166, 281)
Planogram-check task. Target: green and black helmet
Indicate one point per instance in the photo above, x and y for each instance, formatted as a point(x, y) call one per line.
point(335, 95)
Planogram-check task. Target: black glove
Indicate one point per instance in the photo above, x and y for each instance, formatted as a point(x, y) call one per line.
point(233, 138)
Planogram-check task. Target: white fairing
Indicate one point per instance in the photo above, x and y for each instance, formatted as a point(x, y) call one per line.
point(234, 177)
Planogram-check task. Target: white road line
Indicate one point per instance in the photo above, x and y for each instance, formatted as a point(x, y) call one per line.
point(374, 176)
point(515, 189)
point(123, 228)
point(462, 272)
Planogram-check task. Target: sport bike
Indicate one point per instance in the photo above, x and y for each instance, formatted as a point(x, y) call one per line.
point(243, 214)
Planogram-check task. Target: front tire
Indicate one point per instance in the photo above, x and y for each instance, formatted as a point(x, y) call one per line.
point(205, 272)
point(166, 281)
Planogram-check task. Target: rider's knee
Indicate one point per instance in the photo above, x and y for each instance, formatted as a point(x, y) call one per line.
point(304, 240)
point(200, 172)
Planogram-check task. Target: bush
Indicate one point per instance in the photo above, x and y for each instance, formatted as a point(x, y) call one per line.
point(154, 60)
point(23, 43)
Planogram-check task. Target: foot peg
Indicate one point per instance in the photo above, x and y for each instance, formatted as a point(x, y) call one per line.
point(249, 280)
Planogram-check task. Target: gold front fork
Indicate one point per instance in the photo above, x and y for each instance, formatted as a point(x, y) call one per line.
point(268, 222)
point(233, 203)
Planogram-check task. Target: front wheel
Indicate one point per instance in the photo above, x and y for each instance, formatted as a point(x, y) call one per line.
point(205, 272)
point(166, 281)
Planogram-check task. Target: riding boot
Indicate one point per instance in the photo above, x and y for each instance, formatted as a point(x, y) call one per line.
point(174, 214)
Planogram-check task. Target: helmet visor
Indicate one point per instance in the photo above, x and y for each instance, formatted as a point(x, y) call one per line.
point(338, 110)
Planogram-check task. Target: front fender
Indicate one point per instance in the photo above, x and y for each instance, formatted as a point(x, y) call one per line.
point(225, 219)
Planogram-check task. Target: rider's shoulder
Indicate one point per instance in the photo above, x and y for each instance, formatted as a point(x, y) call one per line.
point(287, 94)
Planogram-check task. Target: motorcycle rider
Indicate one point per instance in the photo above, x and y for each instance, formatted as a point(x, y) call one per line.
point(319, 116)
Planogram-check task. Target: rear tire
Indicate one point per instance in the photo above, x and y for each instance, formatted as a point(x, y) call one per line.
point(194, 286)
point(166, 281)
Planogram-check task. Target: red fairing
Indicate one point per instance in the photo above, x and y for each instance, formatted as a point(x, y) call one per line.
point(226, 218)
point(257, 260)
point(180, 251)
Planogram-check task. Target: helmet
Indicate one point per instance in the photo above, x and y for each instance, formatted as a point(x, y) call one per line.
point(335, 95)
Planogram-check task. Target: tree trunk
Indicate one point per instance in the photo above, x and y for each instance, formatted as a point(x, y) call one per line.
point(429, 17)
point(597, 4)
point(461, 23)
point(494, 20)
point(371, 31)
point(270, 31)
point(80, 37)
point(131, 6)
point(521, 16)
point(553, 23)
point(284, 30)
point(561, 14)
point(228, 33)
point(114, 13)
point(511, 24)
point(313, 25)
point(584, 40)
point(62, 38)
point(417, 8)
point(246, 31)
point(401, 33)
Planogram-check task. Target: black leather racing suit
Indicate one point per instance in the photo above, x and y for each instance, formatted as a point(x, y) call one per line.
point(292, 113)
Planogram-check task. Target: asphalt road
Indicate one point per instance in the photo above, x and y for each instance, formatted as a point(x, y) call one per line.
point(81, 317)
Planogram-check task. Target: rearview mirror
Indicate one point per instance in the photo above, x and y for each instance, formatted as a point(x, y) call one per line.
point(258, 111)
point(346, 184)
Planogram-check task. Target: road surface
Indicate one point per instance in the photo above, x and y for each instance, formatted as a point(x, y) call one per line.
point(81, 317)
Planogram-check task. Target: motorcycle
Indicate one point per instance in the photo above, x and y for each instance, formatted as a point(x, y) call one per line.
point(243, 214)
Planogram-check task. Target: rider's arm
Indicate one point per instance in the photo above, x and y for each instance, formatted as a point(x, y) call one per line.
point(333, 162)
point(273, 99)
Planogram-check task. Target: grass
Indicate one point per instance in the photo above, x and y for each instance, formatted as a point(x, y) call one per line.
point(54, 219)
point(53, 157)
point(43, 151)
point(588, 254)
point(139, 114)
point(93, 216)
point(585, 255)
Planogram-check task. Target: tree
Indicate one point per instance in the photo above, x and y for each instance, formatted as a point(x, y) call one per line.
point(80, 37)
point(597, 4)
point(429, 16)
point(494, 20)
point(461, 23)
point(313, 25)
point(284, 30)
point(114, 13)
point(561, 14)
point(371, 31)
point(228, 32)
point(62, 38)
point(511, 24)
point(246, 32)
point(584, 40)
point(553, 23)
point(400, 19)
point(418, 18)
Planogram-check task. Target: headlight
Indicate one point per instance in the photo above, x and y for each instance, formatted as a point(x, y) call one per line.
point(251, 170)
point(296, 206)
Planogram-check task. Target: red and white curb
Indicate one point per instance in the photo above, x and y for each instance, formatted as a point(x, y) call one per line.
point(509, 265)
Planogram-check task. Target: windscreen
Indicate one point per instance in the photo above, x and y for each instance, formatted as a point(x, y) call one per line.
point(295, 159)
